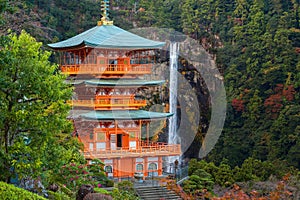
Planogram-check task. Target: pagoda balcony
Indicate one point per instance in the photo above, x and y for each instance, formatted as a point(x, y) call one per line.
point(153, 149)
point(109, 69)
point(107, 104)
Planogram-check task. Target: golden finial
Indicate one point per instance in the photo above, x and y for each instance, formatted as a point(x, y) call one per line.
point(105, 8)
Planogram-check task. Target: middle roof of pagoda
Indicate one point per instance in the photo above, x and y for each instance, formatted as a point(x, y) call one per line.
point(107, 36)
point(117, 82)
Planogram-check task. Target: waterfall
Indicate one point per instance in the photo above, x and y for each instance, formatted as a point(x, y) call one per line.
point(172, 135)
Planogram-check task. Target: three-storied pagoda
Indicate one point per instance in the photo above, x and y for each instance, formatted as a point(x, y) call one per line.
point(106, 65)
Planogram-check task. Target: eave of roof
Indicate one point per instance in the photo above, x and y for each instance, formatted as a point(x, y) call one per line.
point(123, 82)
point(125, 115)
point(115, 82)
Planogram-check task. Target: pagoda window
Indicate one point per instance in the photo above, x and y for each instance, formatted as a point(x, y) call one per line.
point(91, 146)
point(152, 166)
point(72, 58)
point(67, 58)
point(102, 61)
point(90, 57)
point(108, 169)
point(131, 134)
point(139, 167)
point(100, 136)
point(82, 56)
point(132, 144)
point(91, 136)
point(77, 58)
point(101, 145)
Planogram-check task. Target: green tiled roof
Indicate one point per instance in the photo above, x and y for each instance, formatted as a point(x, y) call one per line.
point(125, 115)
point(74, 82)
point(107, 36)
point(123, 82)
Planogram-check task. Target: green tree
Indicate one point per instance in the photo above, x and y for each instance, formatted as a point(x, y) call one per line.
point(197, 17)
point(33, 105)
point(224, 175)
point(254, 170)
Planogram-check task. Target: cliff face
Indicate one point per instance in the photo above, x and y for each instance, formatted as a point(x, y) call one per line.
point(199, 82)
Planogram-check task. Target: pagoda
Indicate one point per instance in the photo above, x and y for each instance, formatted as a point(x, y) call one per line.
point(107, 66)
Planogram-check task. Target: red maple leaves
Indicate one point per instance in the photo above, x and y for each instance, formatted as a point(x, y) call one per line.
point(274, 103)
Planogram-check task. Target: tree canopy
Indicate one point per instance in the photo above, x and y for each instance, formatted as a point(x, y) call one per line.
point(33, 118)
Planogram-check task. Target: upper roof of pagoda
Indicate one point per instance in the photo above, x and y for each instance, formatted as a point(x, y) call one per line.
point(107, 36)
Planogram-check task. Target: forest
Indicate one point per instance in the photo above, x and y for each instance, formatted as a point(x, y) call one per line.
point(256, 46)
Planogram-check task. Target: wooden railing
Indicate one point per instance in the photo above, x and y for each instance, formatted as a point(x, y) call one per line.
point(99, 104)
point(106, 69)
point(157, 150)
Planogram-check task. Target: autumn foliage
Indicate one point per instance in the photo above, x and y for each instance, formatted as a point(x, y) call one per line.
point(280, 193)
point(274, 103)
point(238, 105)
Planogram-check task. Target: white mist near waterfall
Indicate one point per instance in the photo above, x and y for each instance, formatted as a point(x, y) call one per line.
point(172, 135)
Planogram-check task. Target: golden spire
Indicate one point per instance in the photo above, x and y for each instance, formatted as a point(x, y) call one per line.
point(105, 8)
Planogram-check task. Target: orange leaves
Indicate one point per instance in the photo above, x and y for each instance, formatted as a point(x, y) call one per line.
point(274, 103)
point(238, 105)
point(280, 193)
point(289, 93)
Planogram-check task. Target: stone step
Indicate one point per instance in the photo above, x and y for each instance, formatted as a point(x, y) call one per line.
point(156, 193)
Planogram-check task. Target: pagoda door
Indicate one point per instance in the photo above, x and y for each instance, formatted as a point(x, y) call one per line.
point(123, 140)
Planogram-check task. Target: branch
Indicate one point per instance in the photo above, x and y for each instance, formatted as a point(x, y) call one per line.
point(28, 100)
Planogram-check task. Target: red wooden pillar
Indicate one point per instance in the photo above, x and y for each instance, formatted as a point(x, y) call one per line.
point(159, 167)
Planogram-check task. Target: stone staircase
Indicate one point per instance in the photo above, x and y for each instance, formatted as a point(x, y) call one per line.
point(156, 193)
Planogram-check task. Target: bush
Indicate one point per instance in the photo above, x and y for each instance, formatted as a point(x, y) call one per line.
point(125, 185)
point(65, 190)
point(109, 183)
point(123, 194)
point(101, 191)
point(10, 192)
point(58, 196)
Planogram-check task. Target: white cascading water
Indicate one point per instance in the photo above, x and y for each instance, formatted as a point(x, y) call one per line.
point(172, 136)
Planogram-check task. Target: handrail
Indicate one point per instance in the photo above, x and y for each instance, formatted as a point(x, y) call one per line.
point(106, 68)
point(107, 102)
point(163, 149)
point(113, 96)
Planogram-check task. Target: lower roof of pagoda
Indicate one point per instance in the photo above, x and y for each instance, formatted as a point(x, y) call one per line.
point(117, 82)
point(125, 115)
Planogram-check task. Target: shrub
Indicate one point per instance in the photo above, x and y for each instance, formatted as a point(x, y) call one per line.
point(66, 190)
point(125, 185)
point(58, 196)
point(74, 175)
point(109, 183)
point(123, 194)
point(101, 191)
point(10, 192)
